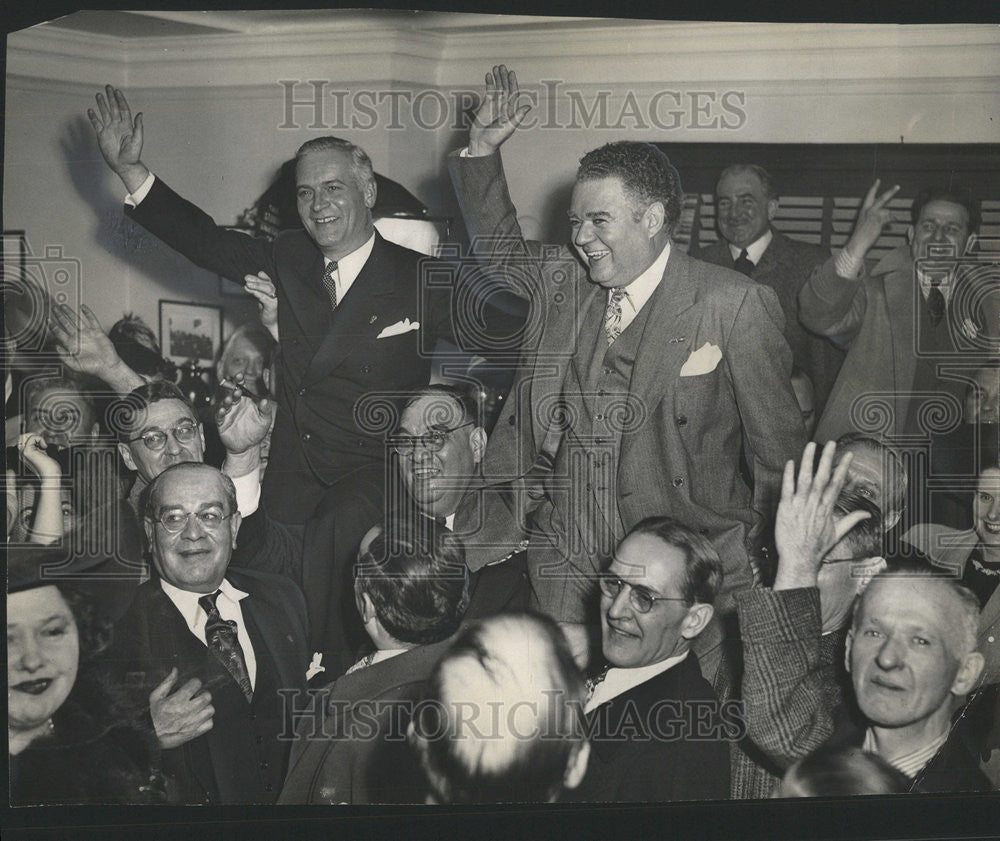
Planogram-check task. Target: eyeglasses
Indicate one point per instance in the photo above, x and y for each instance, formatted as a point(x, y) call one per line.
point(176, 521)
point(432, 441)
point(156, 439)
point(639, 597)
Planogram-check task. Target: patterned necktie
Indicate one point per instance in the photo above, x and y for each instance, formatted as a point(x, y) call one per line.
point(935, 303)
point(330, 283)
point(220, 634)
point(613, 314)
point(743, 263)
point(591, 683)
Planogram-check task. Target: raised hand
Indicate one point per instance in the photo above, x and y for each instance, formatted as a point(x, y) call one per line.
point(499, 115)
point(119, 137)
point(872, 219)
point(31, 447)
point(243, 422)
point(84, 347)
point(262, 288)
point(805, 528)
point(180, 716)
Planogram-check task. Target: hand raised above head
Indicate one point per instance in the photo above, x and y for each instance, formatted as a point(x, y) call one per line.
point(499, 115)
point(872, 219)
point(119, 136)
point(243, 421)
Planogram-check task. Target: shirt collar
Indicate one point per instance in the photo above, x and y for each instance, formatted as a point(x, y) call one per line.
point(619, 681)
point(350, 267)
point(912, 762)
point(756, 249)
point(641, 289)
point(187, 602)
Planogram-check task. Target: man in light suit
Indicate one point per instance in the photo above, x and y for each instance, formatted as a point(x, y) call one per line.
point(650, 373)
point(217, 645)
point(745, 205)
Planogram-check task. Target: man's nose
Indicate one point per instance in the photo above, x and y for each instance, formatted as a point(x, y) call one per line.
point(319, 200)
point(890, 655)
point(584, 234)
point(193, 529)
point(994, 511)
point(621, 606)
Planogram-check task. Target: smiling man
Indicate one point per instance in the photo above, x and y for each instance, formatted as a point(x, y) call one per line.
point(656, 598)
point(221, 641)
point(650, 374)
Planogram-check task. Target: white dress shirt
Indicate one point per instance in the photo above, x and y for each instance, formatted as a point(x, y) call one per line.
point(642, 288)
point(911, 763)
point(228, 604)
point(755, 250)
point(619, 681)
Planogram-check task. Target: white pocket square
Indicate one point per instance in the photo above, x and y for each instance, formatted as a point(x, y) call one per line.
point(404, 326)
point(702, 361)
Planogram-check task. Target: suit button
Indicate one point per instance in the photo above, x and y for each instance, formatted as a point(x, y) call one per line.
point(678, 481)
point(259, 740)
point(510, 420)
point(306, 437)
point(598, 417)
point(991, 638)
point(703, 532)
point(681, 420)
point(263, 766)
point(269, 787)
point(361, 442)
point(252, 716)
point(365, 369)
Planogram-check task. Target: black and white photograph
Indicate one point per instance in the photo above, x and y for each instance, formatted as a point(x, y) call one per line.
point(502, 420)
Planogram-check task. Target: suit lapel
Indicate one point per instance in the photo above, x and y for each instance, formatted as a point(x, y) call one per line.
point(268, 622)
point(352, 322)
point(899, 298)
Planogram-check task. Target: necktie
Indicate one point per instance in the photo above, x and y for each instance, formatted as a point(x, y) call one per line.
point(935, 303)
point(220, 634)
point(591, 683)
point(743, 263)
point(613, 314)
point(330, 283)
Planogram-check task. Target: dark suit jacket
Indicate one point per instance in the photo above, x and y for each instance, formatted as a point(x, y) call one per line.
point(684, 458)
point(785, 266)
point(365, 757)
point(152, 639)
point(662, 740)
point(327, 361)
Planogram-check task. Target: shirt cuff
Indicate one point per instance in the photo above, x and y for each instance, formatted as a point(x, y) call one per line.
point(848, 266)
point(247, 493)
point(135, 199)
point(464, 153)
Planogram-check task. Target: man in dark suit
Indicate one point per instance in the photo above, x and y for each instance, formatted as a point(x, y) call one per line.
point(656, 598)
point(350, 314)
point(219, 647)
point(649, 375)
point(745, 205)
point(411, 591)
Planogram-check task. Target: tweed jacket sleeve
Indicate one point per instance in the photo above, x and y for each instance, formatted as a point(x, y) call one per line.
point(788, 691)
point(833, 306)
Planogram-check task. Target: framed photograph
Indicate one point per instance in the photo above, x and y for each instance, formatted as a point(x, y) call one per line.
point(190, 332)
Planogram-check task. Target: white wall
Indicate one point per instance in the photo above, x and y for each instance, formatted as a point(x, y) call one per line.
point(214, 104)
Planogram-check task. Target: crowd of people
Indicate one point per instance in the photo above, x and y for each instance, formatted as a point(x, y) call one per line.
point(684, 563)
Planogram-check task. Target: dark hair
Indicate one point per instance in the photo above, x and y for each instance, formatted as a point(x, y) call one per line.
point(415, 574)
point(645, 172)
point(147, 500)
point(766, 181)
point(137, 346)
point(961, 196)
point(895, 470)
point(842, 772)
point(459, 395)
point(520, 660)
point(921, 568)
point(94, 630)
point(124, 414)
point(865, 539)
point(703, 576)
point(361, 164)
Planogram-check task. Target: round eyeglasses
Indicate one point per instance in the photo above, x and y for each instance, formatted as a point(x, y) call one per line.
point(176, 521)
point(156, 439)
point(432, 441)
point(639, 597)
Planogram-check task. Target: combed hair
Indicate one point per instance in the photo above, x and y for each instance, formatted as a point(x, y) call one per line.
point(503, 714)
point(645, 172)
point(361, 164)
point(865, 539)
point(920, 568)
point(125, 412)
point(766, 181)
point(703, 578)
point(959, 195)
point(415, 574)
point(451, 394)
point(842, 772)
point(148, 501)
point(892, 461)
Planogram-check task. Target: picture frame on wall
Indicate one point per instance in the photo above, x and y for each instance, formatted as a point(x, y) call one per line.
point(190, 332)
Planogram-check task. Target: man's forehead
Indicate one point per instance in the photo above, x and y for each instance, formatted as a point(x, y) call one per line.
point(739, 181)
point(165, 413)
point(941, 209)
point(193, 487)
point(432, 411)
point(327, 164)
point(646, 559)
point(598, 195)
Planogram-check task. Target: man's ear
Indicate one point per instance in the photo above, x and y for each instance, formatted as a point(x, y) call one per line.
point(234, 525)
point(94, 430)
point(148, 526)
point(968, 673)
point(910, 231)
point(772, 209)
point(477, 440)
point(201, 437)
point(697, 619)
point(576, 770)
point(126, 454)
point(891, 519)
point(848, 642)
point(655, 219)
point(970, 240)
point(366, 607)
point(371, 193)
